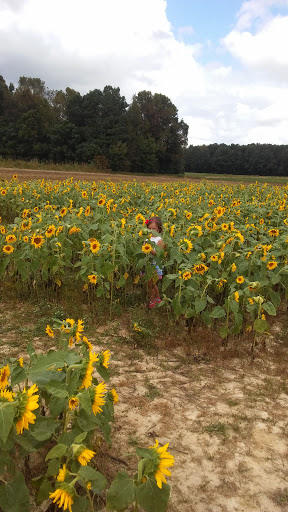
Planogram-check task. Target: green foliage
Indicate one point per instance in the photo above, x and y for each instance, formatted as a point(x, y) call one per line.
point(71, 407)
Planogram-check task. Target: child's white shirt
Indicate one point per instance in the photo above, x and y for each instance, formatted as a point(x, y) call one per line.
point(155, 239)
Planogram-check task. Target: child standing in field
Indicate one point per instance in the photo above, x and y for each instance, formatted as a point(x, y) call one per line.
point(155, 225)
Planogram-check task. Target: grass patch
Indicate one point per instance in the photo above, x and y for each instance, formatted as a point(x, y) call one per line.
point(153, 392)
point(237, 178)
point(216, 428)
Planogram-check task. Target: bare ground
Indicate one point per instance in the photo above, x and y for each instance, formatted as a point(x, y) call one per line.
point(224, 414)
point(29, 174)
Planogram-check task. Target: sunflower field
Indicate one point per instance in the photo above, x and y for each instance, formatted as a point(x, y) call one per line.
point(224, 258)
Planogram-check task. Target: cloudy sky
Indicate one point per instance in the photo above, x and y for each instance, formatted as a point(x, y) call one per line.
point(223, 63)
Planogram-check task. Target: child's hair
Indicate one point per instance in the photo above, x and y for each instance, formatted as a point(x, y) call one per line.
point(158, 222)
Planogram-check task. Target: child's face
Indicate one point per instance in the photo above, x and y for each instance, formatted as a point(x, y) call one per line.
point(153, 226)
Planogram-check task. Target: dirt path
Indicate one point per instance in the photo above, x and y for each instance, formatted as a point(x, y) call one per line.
point(29, 174)
point(225, 418)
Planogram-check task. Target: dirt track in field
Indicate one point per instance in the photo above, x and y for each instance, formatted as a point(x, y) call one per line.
point(29, 174)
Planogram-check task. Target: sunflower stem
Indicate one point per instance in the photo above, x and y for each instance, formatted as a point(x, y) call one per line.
point(90, 501)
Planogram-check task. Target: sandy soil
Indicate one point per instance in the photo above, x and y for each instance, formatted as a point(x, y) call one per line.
point(225, 417)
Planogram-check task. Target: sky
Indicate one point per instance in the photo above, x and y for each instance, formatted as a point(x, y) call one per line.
point(223, 63)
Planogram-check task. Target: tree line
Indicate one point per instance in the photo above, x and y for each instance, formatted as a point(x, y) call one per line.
point(259, 159)
point(99, 127)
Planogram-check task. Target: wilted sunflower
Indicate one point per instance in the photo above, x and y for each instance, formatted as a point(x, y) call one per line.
point(64, 496)
point(4, 374)
point(271, 265)
point(37, 241)
point(100, 391)
point(8, 249)
point(85, 456)
point(28, 402)
point(165, 459)
point(87, 380)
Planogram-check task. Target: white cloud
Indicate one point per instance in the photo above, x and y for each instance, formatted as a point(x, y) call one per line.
point(130, 44)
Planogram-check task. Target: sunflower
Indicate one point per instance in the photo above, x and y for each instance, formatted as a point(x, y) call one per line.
point(87, 380)
point(140, 217)
point(50, 231)
point(3, 192)
point(271, 265)
point(214, 257)
point(62, 474)
point(6, 395)
point(28, 402)
point(84, 194)
point(88, 211)
point(8, 249)
point(64, 496)
point(200, 268)
point(92, 278)
point(115, 396)
point(251, 301)
point(126, 275)
point(233, 267)
point(189, 246)
point(74, 230)
point(37, 241)
point(273, 232)
point(85, 340)
point(100, 391)
point(63, 212)
point(11, 239)
point(49, 331)
point(165, 460)
point(101, 202)
point(104, 358)
point(240, 279)
point(188, 215)
point(85, 456)
point(236, 296)
point(73, 402)
point(95, 246)
point(20, 361)
point(186, 275)
point(146, 248)
point(4, 374)
point(225, 226)
point(221, 283)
